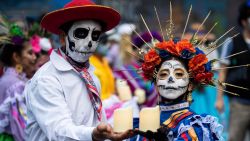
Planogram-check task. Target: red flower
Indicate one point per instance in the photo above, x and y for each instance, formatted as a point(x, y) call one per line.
point(199, 69)
point(197, 61)
point(148, 67)
point(152, 57)
point(205, 78)
point(168, 46)
point(151, 60)
point(184, 44)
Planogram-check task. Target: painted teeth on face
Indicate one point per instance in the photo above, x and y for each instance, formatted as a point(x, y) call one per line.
point(172, 79)
point(82, 40)
point(170, 87)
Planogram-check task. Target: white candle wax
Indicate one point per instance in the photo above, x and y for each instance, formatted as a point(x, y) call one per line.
point(140, 93)
point(123, 119)
point(124, 93)
point(149, 119)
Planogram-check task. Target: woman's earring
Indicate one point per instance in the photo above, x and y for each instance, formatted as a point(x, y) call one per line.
point(189, 97)
point(19, 68)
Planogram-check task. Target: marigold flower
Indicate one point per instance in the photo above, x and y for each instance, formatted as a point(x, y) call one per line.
point(197, 61)
point(152, 57)
point(184, 45)
point(168, 46)
point(204, 77)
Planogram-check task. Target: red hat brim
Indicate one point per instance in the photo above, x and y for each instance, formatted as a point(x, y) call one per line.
point(55, 19)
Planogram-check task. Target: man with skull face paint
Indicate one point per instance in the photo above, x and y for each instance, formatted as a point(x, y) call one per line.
point(63, 96)
point(176, 67)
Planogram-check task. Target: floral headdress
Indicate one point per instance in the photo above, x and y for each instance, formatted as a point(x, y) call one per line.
point(200, 68)
point(10, 32)
point(39, 38)
point(198, 64)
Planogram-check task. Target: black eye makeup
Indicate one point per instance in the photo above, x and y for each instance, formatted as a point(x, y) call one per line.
point(163, 74)
point(81, 33)
point(179, 73)
point(95, 35)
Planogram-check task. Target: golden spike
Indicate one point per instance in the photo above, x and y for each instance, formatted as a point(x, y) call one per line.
point(224, 90)
point(246, 65)
point(222, 43)
point(134, 46)
point(159, 23)
point(147, 28)
point(170, 29)
point(232, 55)
point(186, 22)
point(134, 55)
point(171, 12)
point(227, 84)
point(224, 34)
point(204, 38)
point(141, 38)
point(202, 23)
point(224, 84)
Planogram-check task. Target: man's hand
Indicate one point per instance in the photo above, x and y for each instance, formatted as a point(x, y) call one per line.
point(105, 131)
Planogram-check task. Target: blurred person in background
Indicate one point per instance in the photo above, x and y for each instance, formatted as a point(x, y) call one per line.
point(132, 65)
point(1, 67)
point(102, 69)
point(239, 105)
point(43, 54)
point(41, 44)
point(113, 44)
point(63, 101)
point(18, 58)
point(109, 93)
point(117, 42)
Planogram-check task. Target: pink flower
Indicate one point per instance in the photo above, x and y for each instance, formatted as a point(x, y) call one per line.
point(34, 41)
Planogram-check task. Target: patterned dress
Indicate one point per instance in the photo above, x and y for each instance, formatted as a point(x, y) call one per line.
point(135, 80)
point(12, 106)
point(186, 125)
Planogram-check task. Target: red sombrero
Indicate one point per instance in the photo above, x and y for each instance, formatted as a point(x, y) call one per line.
point(80, 10)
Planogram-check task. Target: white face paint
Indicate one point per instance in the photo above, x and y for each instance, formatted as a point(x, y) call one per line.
point(172, 79)
point(82, 40)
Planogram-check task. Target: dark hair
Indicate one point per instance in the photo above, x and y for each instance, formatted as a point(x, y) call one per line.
point(65, 27)
point(7, 52)
point(244, 12)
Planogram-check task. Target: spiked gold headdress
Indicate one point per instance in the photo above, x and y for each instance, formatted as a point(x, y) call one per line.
point(200, 68)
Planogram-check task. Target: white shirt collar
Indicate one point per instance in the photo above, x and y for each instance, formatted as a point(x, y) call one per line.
point(62, 65)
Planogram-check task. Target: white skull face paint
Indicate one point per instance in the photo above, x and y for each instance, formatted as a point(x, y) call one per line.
point(172, 79)
point(82, 40)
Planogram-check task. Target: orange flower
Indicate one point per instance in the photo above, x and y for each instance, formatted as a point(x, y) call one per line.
point(204, 77)
point(151, 60)
point(197, 61)
point(199, 69)
point(152, 57)
point(184, 44)
point(168, 46)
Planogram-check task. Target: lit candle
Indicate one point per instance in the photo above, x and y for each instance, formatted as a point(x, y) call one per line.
point(149, 119)
point(123, 119)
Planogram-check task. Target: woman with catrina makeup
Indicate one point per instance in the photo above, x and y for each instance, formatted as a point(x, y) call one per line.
point(176, 67)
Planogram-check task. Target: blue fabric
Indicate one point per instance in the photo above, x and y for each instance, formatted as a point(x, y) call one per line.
point(207, 96)
point(204, 126)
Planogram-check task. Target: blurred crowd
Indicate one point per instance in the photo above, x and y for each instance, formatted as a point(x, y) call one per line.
point(117, 65)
